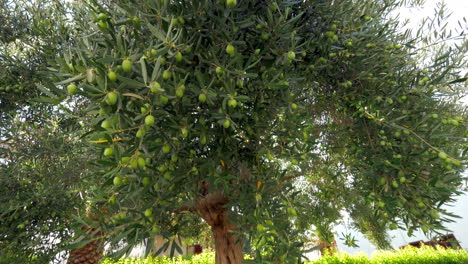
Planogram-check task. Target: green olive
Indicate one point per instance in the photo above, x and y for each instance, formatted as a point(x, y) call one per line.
point(102, 16)
point(230, 50)
point(127, 65)
point(166, 75)
point(202, 98)
point(108, 151)
point(232, 102)
point(231, 3)
point(117, 180)
point(71, 89)
point(149, 120)
point(226, 123)
point(178, 57)
point(166, 149)
point(106, 124)
point(148, 212)
point(112, 76)
point(111, 98)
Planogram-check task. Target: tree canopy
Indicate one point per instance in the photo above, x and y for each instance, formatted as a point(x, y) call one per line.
point(224, 109)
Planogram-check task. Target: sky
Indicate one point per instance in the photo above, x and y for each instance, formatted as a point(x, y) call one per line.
point(458, 10)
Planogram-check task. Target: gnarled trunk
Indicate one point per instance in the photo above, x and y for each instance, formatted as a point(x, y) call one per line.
point(228, 247)
point(90, 253)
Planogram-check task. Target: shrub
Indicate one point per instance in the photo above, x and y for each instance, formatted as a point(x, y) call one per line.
point(411, 255)
point(204, 258)
point(424, 255)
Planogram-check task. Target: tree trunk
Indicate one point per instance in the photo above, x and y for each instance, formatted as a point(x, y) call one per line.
point(90, 253)
point(228, 247)
point(326, 248)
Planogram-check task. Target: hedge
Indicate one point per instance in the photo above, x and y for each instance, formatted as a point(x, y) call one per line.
point(424, 255)
point(204, 258)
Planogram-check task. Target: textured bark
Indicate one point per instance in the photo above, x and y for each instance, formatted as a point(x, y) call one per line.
point(90, 253)
point(228, 247)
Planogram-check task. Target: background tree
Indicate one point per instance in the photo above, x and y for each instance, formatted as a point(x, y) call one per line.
point(31, 33)
point(216, 107)
point(43, 161)
point(42, 174)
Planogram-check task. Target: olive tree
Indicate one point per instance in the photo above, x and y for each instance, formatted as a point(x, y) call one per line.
point(42, 185)
point(43, 162)
point(218, 108)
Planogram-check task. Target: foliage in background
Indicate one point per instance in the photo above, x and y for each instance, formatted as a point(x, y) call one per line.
point(43, 162)
point(42, 178)
point(31, 33)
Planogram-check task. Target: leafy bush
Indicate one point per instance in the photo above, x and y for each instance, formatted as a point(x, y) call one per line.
point(205, 258)
point(424, 255)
